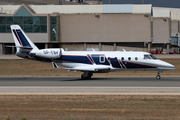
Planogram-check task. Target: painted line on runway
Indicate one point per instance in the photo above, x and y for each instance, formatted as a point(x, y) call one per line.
point(89, 90)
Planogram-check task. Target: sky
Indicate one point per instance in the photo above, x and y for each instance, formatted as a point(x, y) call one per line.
point(155, 3)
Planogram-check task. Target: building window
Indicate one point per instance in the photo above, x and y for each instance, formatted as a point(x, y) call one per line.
point(174, 40)
point(28, 20)
point(53, 28)
point(28, 28)
point(2, 28)
point(2, 20)
point(8, 29)
point(9, 20)
point(37, 24)
point(18, 20)
point(36, 28)
point(43, 28)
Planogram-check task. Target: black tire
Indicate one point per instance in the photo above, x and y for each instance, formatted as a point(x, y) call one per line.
point(158, 77)
point(90, 75)
point(83, 77)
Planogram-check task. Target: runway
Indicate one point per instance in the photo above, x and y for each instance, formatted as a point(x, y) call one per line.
point(96, 85)
point(99, 81)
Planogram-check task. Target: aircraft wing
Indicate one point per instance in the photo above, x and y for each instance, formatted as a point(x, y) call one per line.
point(92, 69)
point(85, 68)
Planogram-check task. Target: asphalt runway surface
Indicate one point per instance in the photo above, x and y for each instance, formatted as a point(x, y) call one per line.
point(96, 85)
point(94, 81)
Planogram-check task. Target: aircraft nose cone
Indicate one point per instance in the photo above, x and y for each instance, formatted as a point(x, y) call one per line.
point(170, 66)
point(167, 66)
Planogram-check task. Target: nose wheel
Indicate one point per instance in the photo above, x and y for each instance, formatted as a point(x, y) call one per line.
point(158, 77)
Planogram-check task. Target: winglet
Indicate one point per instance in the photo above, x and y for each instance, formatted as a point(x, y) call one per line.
point(55, 65)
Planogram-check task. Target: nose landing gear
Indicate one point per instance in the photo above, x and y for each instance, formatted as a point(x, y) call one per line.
point(158, 77)
point(86, 75)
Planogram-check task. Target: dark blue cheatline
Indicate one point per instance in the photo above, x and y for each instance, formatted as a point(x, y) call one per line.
point(76, 59)
point(96, 59)
point(115, 62)
point(135, 65)
point(90, 58)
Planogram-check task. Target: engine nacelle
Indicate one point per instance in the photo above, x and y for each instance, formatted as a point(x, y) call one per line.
point(50, 53)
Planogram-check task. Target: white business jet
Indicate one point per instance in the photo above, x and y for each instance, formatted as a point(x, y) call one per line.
point(88, 62)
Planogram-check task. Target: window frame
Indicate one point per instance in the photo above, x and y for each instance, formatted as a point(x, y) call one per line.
point(24, 21)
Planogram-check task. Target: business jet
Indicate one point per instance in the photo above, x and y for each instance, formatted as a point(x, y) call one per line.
point(88, 62)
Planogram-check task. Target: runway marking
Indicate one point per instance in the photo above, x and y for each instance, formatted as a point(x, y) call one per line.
point(71, 90)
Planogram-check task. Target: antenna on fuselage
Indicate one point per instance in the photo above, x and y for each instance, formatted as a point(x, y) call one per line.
point(124, 50)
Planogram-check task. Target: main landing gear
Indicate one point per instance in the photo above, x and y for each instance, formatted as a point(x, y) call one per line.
point(86, 75)
point(158, 77)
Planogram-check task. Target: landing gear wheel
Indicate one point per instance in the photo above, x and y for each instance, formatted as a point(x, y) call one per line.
point(158, 77)
point(86, 75)
point(89, 75)
point(83, 77)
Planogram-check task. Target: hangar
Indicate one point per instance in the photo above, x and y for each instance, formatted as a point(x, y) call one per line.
point(102, 27)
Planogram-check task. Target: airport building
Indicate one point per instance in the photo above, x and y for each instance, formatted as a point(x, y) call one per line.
point(102, 27)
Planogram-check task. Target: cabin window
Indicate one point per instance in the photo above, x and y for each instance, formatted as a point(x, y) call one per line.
point(129, 58)
point(147, 57)
point(101, 59)
point(122, 58)
point(136, 58)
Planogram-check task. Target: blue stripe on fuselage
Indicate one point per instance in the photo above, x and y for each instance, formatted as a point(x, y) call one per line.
point(115, 63)
point(90, 58)
point(85, 60)
point(97, 61)
point(135, 65)
point(76, 59)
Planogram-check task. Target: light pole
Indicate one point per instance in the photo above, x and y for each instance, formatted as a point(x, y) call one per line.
point(142, 1)
point(109, 1)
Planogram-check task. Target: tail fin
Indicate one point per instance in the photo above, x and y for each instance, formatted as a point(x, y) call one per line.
point(21, 39)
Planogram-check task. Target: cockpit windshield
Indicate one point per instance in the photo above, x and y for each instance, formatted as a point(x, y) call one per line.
point(153, 57)
point(149, 56)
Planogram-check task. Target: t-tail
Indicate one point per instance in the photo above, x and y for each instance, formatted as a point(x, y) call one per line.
point(27, 49)
point(23, 44)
